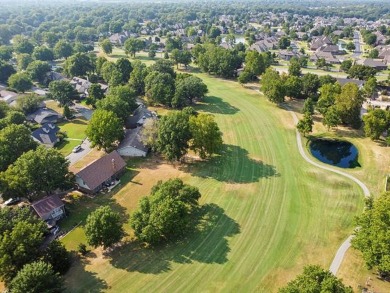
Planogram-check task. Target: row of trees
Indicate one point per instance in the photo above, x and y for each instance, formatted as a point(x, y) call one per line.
point(25, 266)
point(164, 215)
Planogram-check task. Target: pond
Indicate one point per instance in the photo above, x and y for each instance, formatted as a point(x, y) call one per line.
point(335, 152)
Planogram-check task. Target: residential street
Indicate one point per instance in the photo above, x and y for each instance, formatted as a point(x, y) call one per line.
point(85, 149)
point(356, 40)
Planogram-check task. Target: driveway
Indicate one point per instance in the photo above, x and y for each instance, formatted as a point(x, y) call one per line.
point(85, 149)
point(83, 111)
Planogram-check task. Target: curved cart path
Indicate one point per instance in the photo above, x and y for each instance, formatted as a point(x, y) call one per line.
point(334, 267)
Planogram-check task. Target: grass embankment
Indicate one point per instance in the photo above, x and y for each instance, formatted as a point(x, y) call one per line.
point(267, 212)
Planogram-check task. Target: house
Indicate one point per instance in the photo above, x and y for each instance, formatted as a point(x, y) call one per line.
point(46, 135)
point(82, 85)
point(44, 115)
point(287, 55)
point(139, 116)
point(100, 173)
point(50, 208)
point(329, 58)
point(8, 96)
point(118, 39)
point(343, 81)
point(265, 45)
point(334, 49)
point(319, 42)
point(132, 145)
point(378, 64)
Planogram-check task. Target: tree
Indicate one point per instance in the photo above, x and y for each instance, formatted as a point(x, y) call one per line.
point(36, 173)
point(29, 103)
point(376, 122)
point(62, 91)
point(374, 53)
point(369, 88)
point(95, 93)
point(103, 227)
point(104, 129)
point(43, 53)
point(23, 45)
point(272, 86)
point(149, 133)
point(315, 279)
point(175, 56)
point(19, 244)
point(125, 68)
point(166, 213)
point(310, 85)
point(295, 68)
point(308, 106)
point(230, 39)
point(254, 64)
point(350, 46)
point(14, 141)
point(159, 88)
point(331, 118)
point(6, 70)
point(78, 64)
point(116, 105)
point(111, 74)
point(58, 257)
point(348, 104)
point(23, 61)
point(137, 77)
point(372, 238)
point(67, 112)
point(284, 43)
point(125, 93)
point(293, 86)
point(37, 277)
point(20, 82)
point(305, 125)
point(346, 65)
point(244, 77)
point(206, 136)
point(361, 72)
point(173, 135)
point(106, 46)
point(6, 53)
point(133, 45)
point(63, 49)
point(188, 90)
point(321, 63)
point(327, 97)
point(38, 70)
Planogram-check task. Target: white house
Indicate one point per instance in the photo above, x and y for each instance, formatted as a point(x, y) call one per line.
point(131, 145)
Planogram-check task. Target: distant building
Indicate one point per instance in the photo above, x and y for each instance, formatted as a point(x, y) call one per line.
point(44, 115)
point(319, 42)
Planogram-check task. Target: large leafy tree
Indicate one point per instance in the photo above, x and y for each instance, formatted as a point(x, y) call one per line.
point(111, 74)
point(166, 213)
point(14, 141)
point(348, 104)
point(305, 125)
point(159, 88)
point(79, 64)
point(103, 227)
point(23, 61)
point(29, 103)
point(174, 135)
point(112, 103)
point(315, 279)
point(37, 277)
point(327, 97)
point(104, 129)
point(38, 70)
point(361, 72)
point(63, 49)
point(106, 46)
point(294, 68)
point(57, 255)
point(331, 118)
point(6, 70)
point(23, 45)
point(372, 237)
point(310, 85)
point(272, 86)
point(43, 53)
point(133, 45)
point(20, 82)
point(125, 68)
point(62, 91)
point(254, 64)
point(95, 93)
point(206, 136)
point(293, 85)
point(137, 77)
point(21, 235)
point(376, 122)
point(36, 173)
point(188, 90)
point(125, 93)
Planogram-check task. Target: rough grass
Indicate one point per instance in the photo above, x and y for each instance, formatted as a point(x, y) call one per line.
point(266, 212)
point(75, 131)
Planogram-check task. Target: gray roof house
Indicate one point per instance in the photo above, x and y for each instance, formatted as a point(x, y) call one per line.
point(82, 85)
point(46, 135)
point(44, 115)
point(96, 175)
point(131, 145)
point(319, 42)
point(378, 64)
point(8, 96)
point(139, 116)
point(49, 208)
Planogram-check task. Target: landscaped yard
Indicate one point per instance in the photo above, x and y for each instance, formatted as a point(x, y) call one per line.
point(75, 131)
point(267, 212)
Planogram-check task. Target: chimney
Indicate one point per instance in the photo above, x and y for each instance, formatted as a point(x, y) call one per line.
point(113, 165)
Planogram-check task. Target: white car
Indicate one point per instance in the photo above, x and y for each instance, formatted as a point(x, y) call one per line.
point(12, 201)
point(76, 149)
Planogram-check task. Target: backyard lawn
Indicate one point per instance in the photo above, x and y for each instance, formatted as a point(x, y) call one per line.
point(265, 211)
point(75, 131)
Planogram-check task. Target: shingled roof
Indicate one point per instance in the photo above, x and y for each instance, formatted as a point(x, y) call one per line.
point(101, 170)
point(47, 205)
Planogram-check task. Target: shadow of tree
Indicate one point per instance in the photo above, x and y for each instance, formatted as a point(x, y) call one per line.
point(90, 282)
point(216, 105)
point(206, 243)
point(233, 166)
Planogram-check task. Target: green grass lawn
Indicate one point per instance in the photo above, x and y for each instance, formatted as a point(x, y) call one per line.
point(75, 131)
point(266, 211)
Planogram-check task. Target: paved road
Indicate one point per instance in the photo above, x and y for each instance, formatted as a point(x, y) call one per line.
point(356, 40)
point(85, 149)
point(335, 265)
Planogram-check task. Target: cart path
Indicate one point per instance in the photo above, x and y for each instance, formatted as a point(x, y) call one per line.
point(335, 265)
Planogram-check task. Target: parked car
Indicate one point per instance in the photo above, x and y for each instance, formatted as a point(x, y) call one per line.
point(76, 149)
point(12, 201)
